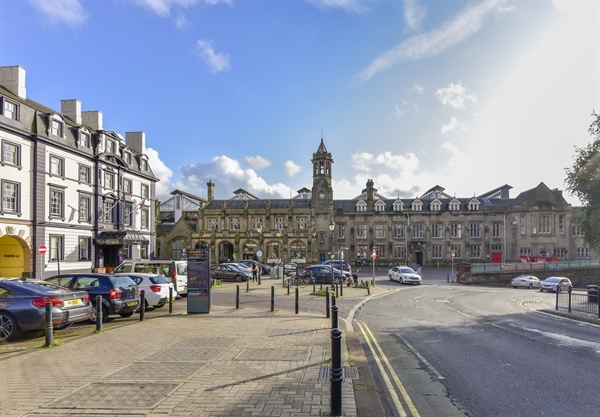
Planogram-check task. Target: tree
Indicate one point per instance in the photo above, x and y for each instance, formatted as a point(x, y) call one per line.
point(583, 181)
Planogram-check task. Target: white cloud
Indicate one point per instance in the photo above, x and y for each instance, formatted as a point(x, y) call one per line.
point(453, 125)
point(162, 172)
point(217, 62)
point(414, 13)
point(435, 42)
point(291, 168)
point(455, 95)
point(69, 12)
point(257, 162)
point(162, 8)
point(352, 6)
point(401, 109)
point(455, 156)
point(418, 89)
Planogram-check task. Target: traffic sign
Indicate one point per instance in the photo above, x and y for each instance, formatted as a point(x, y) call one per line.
point(42, 249)
point(453, 254)
point(374, 253)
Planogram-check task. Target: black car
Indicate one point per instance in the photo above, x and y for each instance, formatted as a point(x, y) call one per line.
point(120, 294)
point(23, 306)
point(322, 274)
point(227, 272)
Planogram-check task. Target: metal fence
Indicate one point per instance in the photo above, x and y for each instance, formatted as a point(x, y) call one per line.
point(531, 266)
point(581, 302)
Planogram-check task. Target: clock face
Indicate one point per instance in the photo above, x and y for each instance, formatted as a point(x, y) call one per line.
point(322, 195)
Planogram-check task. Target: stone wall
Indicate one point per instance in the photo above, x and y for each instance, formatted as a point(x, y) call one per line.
point(580, 278)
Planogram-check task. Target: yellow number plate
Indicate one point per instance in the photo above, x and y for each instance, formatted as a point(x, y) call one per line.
point(68, 303)
point(132, 303)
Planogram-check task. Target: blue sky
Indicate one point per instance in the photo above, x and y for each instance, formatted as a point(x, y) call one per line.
point(466, 95)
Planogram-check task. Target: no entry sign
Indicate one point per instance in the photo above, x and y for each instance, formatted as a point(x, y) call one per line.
point(42, 249)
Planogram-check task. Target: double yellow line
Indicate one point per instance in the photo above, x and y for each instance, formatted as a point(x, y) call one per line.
point(390, 379)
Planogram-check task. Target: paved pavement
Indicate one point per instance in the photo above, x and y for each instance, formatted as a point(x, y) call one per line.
point(243, 362)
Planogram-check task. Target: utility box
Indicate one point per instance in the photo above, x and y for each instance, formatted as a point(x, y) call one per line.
point(198, 279)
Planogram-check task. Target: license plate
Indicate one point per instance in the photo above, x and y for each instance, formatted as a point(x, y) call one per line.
point(185, 287)
point(68, 303)
point(132, 303)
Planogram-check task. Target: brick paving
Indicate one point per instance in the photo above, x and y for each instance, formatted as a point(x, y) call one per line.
point(242, 362)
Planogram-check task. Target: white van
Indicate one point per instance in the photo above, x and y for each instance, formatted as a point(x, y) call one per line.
point(176, 271)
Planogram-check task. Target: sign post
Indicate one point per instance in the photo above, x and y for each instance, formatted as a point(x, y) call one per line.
point(374, 256)
point(42, 249)
point(453, 255)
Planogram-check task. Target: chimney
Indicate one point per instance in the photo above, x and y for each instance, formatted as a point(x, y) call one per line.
point(136, 141)
point(13, 79)
point(71, 109)
point(370, 190)
point(93, 119)
point(211, 190)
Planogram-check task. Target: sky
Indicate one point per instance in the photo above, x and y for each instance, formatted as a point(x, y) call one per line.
point(467, 95)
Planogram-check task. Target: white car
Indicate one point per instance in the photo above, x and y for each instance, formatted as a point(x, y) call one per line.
point(404, 275)
point(155, 287)
point(527, 281)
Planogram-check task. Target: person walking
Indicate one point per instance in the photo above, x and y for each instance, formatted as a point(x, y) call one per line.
point(255, 273)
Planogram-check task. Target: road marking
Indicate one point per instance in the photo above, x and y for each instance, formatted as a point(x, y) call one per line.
point(370, 337)
point(421, 358)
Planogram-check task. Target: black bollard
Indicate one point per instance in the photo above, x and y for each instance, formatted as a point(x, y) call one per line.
point(272, 298)
point(336, 372)
point(327, 301)
point(368, 290)
point(334, 316)
point(447, 277)
point(337, 294)
point(48, 326)
point(342, 289)
point(332, 300)
point(314, 288)
point(288, 287)
point(237, 297)
point(297, 299)
point(99, 313)
point(247, 285)
point(170, 300)
point(142, 304)
point(259, 274)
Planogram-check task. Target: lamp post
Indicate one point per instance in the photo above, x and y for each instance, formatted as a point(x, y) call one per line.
point(332, 228)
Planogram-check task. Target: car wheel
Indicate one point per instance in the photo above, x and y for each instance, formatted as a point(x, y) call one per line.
point(514, 286)
point(128, 314)
point(62, 326)
point(530, 286)
point(159, 305)
point(238, 278)
point(9, 329)
point(391, 279)
point(541, 290)
point(104, 314)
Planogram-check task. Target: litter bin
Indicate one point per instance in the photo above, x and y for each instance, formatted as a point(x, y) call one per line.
point(592, 291)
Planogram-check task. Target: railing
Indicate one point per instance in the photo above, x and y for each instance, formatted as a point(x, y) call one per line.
point(531, 266)
point(580, 302)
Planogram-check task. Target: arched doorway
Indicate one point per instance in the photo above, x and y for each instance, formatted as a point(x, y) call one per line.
point(226, 253)
point(16, 257)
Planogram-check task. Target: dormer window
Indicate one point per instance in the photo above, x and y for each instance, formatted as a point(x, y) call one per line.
point(454, 205)
point(10, 109)
point(127, 157)
point(417, 205)
point(379, 206)
point(56, 127)
point(110, 146)
point(435, 205)
point(361, 206)
point(84, 140)
point(144, 165)
point(474, 205)
point(398, 206)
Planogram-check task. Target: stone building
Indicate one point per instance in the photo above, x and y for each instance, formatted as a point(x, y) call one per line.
point(433, 229)
point(75, 196)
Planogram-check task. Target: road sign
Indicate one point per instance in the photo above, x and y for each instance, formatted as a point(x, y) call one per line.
point(453, 254)
point(374, 253)
point(259, 254)
point(42, 249)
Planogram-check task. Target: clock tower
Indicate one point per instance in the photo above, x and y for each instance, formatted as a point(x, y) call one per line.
point(322, 193)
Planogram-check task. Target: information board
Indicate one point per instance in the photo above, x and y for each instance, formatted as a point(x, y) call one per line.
point(198, 273)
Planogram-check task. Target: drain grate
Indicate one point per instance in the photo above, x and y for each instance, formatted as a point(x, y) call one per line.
point(348, 372)
point(115, 395)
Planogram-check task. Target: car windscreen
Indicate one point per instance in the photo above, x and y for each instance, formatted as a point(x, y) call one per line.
point(407, 270)
point(159, 279)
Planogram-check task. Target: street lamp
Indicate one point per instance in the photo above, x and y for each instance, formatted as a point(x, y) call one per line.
point(332, 228)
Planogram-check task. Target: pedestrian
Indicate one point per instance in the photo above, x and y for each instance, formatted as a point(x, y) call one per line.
point(255, 273)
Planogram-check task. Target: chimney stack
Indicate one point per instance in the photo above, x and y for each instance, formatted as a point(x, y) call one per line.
point(136, 141)
point(93, 119)
point(13, 79)
point(71, 109)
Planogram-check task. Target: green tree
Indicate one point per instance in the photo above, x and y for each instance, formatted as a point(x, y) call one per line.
point(583, 181)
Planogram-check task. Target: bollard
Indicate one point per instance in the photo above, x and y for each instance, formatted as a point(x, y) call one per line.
point(272, 298)
point(569, 308)
point(321, 288)
point(48, 326)
point(448, 278)
point(297, 299)
point(327, 301)
point(259, 274)
point(288, 288)
point(314, 289)
point(342, 289)
point(142, 304)
point(334, 316)
point(332, 300)
point(237, 297)
point(247, 285)
point(368, 290)
point(170, 300)
point(337, 289)
point(336, 372)
point(99, 313)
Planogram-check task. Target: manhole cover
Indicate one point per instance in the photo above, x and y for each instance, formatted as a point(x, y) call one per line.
point(157, 371)
point(184, 355)
point(203, 342)
point(115, 395)
point(273, 355)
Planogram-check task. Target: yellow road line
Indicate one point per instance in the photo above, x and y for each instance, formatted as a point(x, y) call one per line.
point(407, 399)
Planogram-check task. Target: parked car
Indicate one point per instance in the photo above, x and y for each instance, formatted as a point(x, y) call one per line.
point(556, 284)
point(228, 272)
point(361, 262)
point(322, 274)
point(404, 275)
point(120, 294)
point(176, 271)
point(23, 306)
point(264, 269)
point(240, 266)
point(155, 287)
point(338, 264)
point(527, 281)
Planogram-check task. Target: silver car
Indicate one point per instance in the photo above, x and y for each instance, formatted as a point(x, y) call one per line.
point(556, 284)
point(527, 281)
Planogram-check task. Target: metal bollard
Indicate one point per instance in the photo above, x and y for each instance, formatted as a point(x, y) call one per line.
point(48, 326)
point(259, 274)
point(99, 317)
point(334, 316)
point(288, 287)
point(337, 293)
point(368, 290)
point(237, 297)
point(336, 372)
point(142, 304)
point(297, 299)
point(314, 288)
point(332, 300)
point(272, 298)
point(247, 285)
point(327, 302)
point(170, 300)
